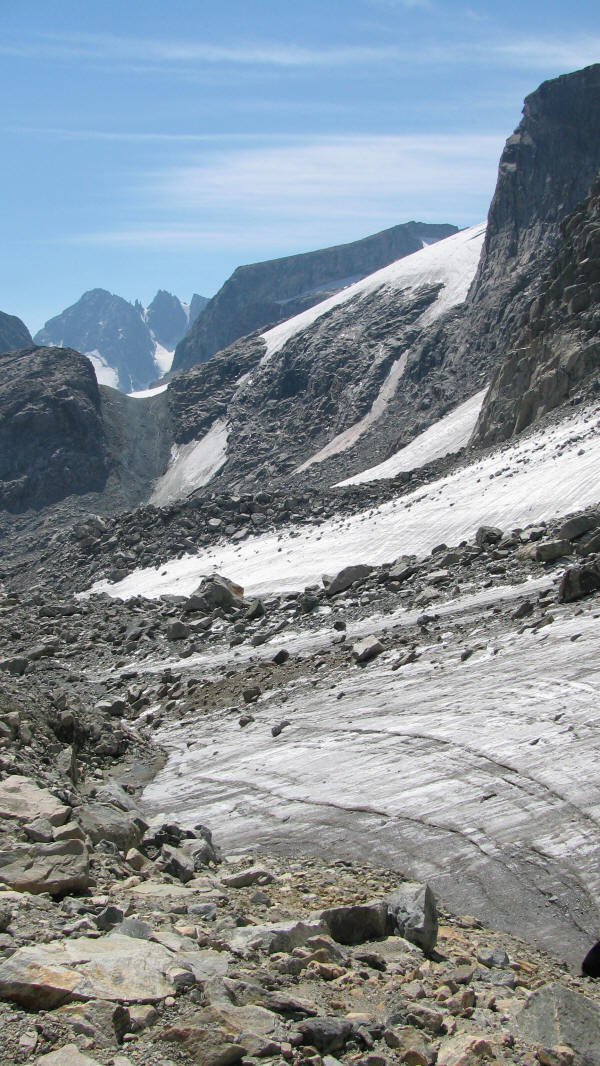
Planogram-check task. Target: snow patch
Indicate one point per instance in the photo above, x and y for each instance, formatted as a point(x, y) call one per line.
point(192, 465)
point(451, 262)
point(547, 474)
point(105, 374)
point(449, 434)
point(163, 357)
point(142, 394)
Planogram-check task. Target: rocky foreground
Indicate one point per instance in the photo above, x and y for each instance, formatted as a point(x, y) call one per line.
point(128, 938)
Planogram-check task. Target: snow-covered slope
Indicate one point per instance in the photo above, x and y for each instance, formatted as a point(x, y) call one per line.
point(445, 437)
point(192, 466)
point(545, 474)
point(451, 263)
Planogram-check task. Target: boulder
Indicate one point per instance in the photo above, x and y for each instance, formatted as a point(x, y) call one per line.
point(60, 868)
point(579, 581)
point(102, 821)
point(115, 968)
point(347, 577)
point(554, 1015)
point(215, 591)
point(548, 551)
point(252, 875)
point(326, 1034)
point(355, 924)
point(412, 914)
point(283, 936)
point(488, 535)
point(468, 1049)
point(578, 525)
point(366, 649)
point(22, 799)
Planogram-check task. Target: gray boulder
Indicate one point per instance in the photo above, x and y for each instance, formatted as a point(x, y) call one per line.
point(579, 581)
point(102, 821)
point(412, 914)
point(555, 1015)
point(347, 577)
point(355, 924)
point(22, 799)
point(215, 591)
point(366, 649)
point(59, 869)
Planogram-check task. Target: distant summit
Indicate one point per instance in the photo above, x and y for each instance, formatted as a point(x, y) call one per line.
point(263, 294)
point(13, 333)
point(129, 345)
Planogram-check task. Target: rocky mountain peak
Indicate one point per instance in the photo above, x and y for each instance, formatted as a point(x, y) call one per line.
point(13, 333)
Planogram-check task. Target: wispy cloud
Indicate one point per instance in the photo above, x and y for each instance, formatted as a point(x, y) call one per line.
point(312, 192)
point(565, 54)
point(124, 51)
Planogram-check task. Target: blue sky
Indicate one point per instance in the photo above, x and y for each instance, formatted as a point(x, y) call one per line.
point(158, 145)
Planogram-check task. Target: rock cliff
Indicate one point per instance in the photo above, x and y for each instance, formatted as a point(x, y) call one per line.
point(13, 333)
point(52, 439)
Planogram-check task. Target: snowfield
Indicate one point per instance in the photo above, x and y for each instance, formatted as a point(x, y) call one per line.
point(192, 465)
point(547, 473)
point(448, 435)
point(451, 262)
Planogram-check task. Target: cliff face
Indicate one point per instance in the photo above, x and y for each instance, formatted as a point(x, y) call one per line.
point(546, 169)
point(262, 294)
point(13, 333)
point(558, 351)
point(51, 433)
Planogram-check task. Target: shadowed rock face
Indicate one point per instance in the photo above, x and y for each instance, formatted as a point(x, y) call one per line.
point(51, 431)
point(262, 294)
point(558, 351)
point(13, 333)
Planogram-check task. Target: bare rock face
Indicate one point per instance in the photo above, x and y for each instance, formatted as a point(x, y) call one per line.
point(51, 432)
point(558, 350)
point(13, 333)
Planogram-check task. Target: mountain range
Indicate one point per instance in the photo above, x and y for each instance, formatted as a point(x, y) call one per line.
point(129, 345)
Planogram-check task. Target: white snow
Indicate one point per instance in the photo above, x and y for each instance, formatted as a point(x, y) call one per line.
point(142, 394)
point(105, 374)
point(547, 473)
point(163, 357)
point(192, 465)
point(452, 262)
point(448, 435)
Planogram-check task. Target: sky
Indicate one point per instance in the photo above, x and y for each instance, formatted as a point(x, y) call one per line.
point(158, 145)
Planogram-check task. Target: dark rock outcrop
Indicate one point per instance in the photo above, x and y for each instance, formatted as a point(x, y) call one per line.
point(262, 294)
point(167, 319)
point(52, 439)
point(558, 350)
point(13, 333)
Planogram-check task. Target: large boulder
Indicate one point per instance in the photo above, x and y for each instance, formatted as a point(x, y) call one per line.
point(102, 821)
point(554, 1015)
point(412, 914)
point(115, 968)
point(355, 924)
point(579, 581)
point(22, 799)
point(215, 591)
point(347, 577)
point(61, 868)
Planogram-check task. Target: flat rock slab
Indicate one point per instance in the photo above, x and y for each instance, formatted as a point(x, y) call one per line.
point(272, 938)
point(22, 799)
point(117, 968)
point(69, 1055)
point(58, 868)
point(554, 1015)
